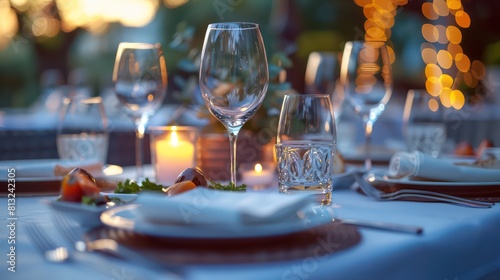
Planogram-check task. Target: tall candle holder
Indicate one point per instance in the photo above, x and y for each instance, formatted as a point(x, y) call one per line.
point(173, 149)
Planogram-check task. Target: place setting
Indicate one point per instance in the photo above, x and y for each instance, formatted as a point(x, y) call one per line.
point(428, 166)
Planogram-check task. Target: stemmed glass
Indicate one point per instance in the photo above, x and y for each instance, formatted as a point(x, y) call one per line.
point(322, 75)
point(366, 75)
point(233, 76)
point(140, 78)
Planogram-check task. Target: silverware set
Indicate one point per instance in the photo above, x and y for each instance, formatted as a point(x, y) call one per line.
point(377, 194)
point(50, 251)
point(74, 234)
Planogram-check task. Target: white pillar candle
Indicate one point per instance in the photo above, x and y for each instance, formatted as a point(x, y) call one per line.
point(173, 155)
point(257, 176)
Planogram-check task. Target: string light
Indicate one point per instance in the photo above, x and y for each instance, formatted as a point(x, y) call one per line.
point(446, 63)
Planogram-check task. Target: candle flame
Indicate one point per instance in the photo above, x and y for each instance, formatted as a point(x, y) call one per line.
point(174, 139)
point(258, 168)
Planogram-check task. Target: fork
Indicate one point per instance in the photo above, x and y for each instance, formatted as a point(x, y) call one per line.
point(109, 247)
point(373, 192)
point(50, 251)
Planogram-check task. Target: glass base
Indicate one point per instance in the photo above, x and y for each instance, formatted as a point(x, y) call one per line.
point(323, 194)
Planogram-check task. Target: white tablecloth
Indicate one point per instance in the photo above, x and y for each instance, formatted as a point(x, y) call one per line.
point(458, 243)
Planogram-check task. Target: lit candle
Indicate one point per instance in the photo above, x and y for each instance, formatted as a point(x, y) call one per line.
point(173, 155)
point(257, 176)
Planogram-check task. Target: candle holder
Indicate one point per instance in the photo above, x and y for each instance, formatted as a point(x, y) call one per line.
point(257, 175)
point(173, 149)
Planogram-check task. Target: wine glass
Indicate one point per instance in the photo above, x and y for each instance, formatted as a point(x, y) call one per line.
point(233, 76)
point(322, 75)
point(366, 75)
point(140, 78)
point(424, 125)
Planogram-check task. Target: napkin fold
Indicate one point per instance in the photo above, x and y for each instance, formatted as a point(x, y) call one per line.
point(418, 164)
point(202, 206)
point(45, 168)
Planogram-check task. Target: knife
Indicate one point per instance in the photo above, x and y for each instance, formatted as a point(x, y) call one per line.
point(382, 226)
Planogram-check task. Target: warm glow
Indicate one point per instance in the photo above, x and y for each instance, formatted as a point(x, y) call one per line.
point(174, 3)
point(462, 62)
point(430, 33)
point(448, 54)
point(392, 54)
point(172, 151)
point(432, 70)
point(21, 5)
point(380, 16)
point(454, 50)
point(444, 59)
point(429, 55)
point(95, 15)
point(9, 25)
point(258, 168)
point(444, 97)
point(174, 139)
point(441, 8)
point(362, 3)
point(428, 11)
point(446, 81)
point(454, 4)
point(457, 99)
point(454, 34)
point(442, 38)
point(462, 18)
point(433, 105)
point(433, 86)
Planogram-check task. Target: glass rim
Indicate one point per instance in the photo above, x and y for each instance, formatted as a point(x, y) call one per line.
point(138, 45)
point(289, 95)
point(172, 128)
point(233, 26)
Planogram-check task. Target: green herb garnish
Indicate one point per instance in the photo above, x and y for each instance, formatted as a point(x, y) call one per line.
point(133, 187)
point(88, 200)
point(229, 187)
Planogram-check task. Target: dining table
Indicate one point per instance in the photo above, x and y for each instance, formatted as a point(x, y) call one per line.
point(456, 243)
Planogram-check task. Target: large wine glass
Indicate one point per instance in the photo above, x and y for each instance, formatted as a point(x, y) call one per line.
point(233, 76)
point(140, 78)
point(367, 79)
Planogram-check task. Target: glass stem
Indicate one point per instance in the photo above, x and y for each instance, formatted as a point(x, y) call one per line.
point(233, 137)
point(139, 145)
point(368, 124)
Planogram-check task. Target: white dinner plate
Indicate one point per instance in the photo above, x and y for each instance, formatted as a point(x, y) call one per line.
point(126, 217)
point(87, 215)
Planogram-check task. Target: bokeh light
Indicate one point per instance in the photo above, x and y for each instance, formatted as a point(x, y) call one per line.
point(444, 59)
point(432, 70)
point(462, 62)
point(441, 8)
point(433, 105)
point(462, 18)
point(428, 11)
point(9, 24)
point(447, 66)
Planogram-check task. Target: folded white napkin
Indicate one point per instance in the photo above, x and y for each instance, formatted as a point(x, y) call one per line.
point(202, 206)
point(418, 164)
point(45, 168)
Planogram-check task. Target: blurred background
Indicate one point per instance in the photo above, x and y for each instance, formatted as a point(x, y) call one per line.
point(63, 35)
point(449, 47)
